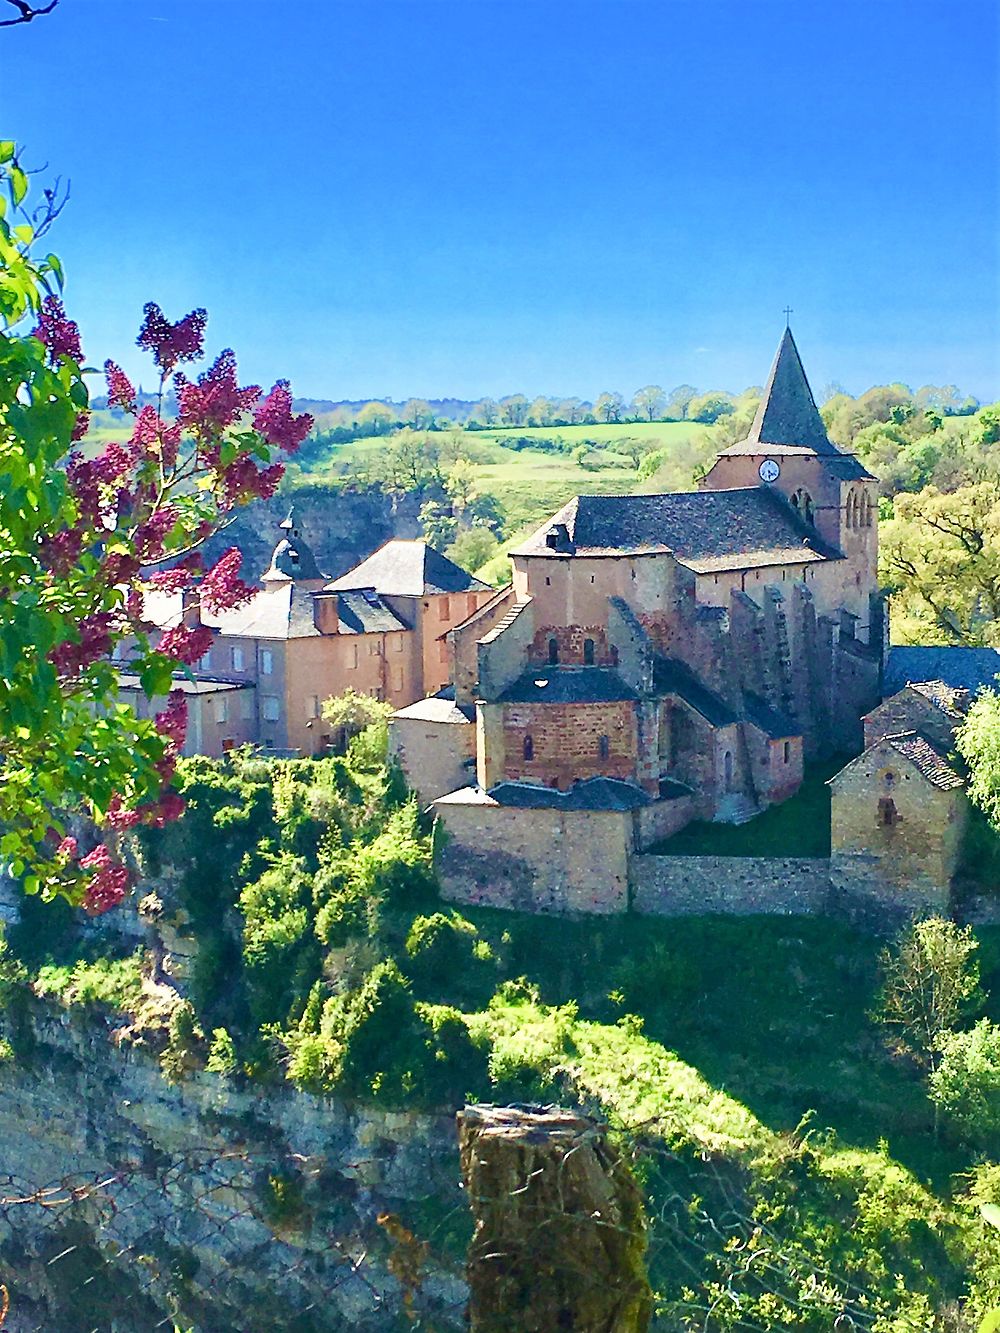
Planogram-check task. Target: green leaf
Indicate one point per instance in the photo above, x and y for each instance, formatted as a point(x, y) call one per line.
point(991, 1214)
point(7, 149)
point(55, 264)
point(18, 185)
point(991, 1324)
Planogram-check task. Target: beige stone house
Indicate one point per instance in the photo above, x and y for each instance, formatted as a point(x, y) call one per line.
point(303, 638)
point(898, 811)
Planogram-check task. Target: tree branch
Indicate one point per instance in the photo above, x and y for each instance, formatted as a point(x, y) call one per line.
point(26, 12)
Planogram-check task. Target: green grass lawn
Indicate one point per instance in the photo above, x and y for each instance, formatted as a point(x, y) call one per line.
point(773, 1011)
point(798, 827)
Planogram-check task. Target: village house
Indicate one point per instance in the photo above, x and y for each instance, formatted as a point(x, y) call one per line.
point(303, 638)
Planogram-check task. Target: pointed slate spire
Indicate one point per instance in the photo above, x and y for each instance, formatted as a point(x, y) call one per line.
point(788, 413)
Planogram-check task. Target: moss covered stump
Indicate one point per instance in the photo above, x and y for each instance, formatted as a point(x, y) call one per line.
point(560, 1233)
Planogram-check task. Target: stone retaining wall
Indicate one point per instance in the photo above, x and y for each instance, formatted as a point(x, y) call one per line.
point(739, 885)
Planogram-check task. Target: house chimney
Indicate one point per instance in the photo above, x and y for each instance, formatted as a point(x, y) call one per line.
point(326, 614)
point(191, 607)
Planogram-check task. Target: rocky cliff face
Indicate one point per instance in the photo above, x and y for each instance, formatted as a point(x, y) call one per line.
point(128, 1203)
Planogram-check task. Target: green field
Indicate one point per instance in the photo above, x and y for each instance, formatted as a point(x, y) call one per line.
point(653, 433)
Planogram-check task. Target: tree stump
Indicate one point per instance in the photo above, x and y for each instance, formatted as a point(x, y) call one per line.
point(560, 1232)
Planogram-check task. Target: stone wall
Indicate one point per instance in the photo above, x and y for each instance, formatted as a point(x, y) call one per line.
point(185, 1211)
point(437, 757)
point(739, 885)
point(533, 860)
point(565, 742)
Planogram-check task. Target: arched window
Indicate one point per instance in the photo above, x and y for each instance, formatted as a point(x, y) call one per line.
point(614, 655)
point(553, 652)
point(588, 652)
point(802, 501)
point(869, 508)
point(727, 765)
point(603, 747)
point(528, 749)
point(852, 510)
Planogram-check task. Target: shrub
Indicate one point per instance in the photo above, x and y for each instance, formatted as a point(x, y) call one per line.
point(966, 1083)
point(222, 1054)
point(456, 1069)
point(279, 947)
point(115, 983)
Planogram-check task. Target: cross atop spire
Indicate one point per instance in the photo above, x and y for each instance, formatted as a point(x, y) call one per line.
point(789, 312)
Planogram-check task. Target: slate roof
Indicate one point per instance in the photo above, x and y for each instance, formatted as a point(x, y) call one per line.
point(436, 709)
point(404, 568)
point(788, 420)
point(953, 702)
point(918, 750)
point(592, 794)
point(128, 680)
point(771, 721)
point(362, 611)
point(568, 685)
point(972, 669)
point(706, 530)
point(282, 609)
point(671, 676)
point(924, 756)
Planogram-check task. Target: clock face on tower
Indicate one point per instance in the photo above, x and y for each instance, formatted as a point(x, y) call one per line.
point(769, 470)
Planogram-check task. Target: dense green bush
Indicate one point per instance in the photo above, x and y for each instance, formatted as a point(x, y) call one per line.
point(966, 1083)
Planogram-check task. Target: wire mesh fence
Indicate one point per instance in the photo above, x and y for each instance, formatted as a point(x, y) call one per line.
point(223, 1241)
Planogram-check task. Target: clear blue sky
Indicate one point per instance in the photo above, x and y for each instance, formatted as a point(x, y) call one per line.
point(462, 197)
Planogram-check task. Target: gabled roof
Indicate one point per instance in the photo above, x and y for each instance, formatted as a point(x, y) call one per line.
point(788, 420)
point(402, 568)
point(924, 756)
point(928, 761)
point(706, 530)
point(971, 669)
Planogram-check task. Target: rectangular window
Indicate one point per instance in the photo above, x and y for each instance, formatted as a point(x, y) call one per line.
point(246, 705)
point(399, 678)
point(221, 708)
point(266, 662)
point(354, 655)
point(237, 659)
point(444, 608)
point(271, 707)
point(205, 663)
point(400, 645)
point(312, 705)
point(443, 651)
point(470, 603)
point(788, 751)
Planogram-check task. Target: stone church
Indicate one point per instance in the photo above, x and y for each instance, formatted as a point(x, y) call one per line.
point(656, 659)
